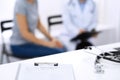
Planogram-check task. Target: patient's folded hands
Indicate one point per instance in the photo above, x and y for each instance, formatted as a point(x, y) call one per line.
point(58, 44)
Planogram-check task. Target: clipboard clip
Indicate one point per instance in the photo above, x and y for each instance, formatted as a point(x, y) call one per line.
point(45, 63)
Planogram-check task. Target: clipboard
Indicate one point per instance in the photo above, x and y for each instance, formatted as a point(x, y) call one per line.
point(45, 71)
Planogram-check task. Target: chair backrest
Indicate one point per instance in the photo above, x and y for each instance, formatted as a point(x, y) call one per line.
point(55, 25)
point(6, 32)
point(54, 20)
point(3, 28)
point(6, 29)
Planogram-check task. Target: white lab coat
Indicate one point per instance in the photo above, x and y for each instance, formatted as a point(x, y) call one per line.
point(75, 19)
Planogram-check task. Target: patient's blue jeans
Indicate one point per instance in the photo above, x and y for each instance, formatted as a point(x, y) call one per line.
point(30, 50)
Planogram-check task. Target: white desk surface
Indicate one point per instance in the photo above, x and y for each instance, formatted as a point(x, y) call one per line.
point(83, 64)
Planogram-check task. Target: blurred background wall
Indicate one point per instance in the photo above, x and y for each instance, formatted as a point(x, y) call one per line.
point(108, 14)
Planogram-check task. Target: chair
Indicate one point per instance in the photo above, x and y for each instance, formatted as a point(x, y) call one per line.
point(5, 43)
point(54, 20)
point(55, 25)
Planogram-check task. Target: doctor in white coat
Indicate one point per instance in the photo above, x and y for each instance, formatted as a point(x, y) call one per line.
point(79, 16)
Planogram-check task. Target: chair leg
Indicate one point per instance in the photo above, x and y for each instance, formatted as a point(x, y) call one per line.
point(8, 59)
point(1, 59)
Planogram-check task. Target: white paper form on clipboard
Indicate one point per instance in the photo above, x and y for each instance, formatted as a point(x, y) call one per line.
point(45, 71)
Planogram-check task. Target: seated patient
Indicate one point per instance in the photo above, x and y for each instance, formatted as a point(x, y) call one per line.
point(24, 44)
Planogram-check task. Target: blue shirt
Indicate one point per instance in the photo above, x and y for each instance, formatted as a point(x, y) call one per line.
point(30, 11)
point(82, 5)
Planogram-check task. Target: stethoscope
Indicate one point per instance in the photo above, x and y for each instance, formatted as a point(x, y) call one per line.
point(114, 57)
point(104, 55)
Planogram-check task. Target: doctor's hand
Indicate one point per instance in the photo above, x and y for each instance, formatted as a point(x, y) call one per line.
point(82, 31)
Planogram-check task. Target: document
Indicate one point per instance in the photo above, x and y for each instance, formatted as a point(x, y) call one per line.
point(45, 71)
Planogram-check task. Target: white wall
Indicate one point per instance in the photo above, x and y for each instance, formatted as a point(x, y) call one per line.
point(52, 7)
point(111, 17)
